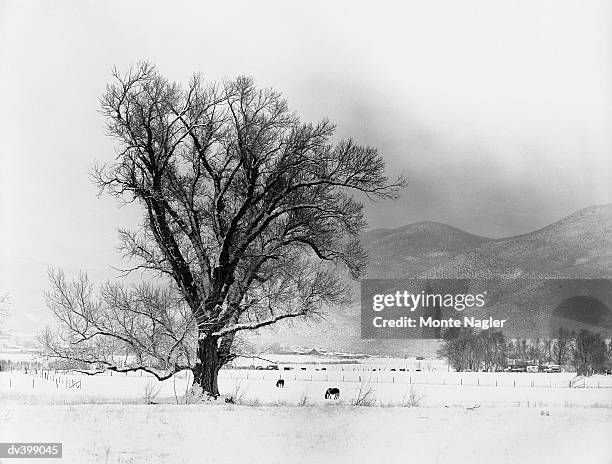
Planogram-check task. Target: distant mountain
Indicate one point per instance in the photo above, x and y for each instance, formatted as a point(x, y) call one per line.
point(415, 248)
point(577, 246)
point(473, 264)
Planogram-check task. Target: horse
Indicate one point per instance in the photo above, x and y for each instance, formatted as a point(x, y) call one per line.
point(280, 383)
point(332, 393)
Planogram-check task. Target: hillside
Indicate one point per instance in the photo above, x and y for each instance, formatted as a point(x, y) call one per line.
point(577, 246)
point(415, 248)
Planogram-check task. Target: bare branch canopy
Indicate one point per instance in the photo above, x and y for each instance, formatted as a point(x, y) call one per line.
point(247, 210)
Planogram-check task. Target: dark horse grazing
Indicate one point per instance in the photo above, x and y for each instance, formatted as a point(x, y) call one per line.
point(280, 383)
point(332, 393)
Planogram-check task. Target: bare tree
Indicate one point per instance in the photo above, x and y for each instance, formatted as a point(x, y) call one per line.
point(457, 348)
point(465, 349)
point(118, 328)
point(247, 210)
point(589, 352)
point(534, 351)
point(562, 346)
point(547, 349)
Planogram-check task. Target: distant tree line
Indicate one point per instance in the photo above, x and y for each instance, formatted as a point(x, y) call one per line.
point(466, 350)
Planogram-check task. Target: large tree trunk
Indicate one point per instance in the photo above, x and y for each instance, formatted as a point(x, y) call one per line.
point(206, 371)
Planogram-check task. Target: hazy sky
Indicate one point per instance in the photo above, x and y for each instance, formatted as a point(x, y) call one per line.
point(499, 113)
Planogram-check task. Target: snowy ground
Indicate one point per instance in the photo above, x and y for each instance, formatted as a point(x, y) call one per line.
point(388, 388)
point(521, 418)
point(319, 434)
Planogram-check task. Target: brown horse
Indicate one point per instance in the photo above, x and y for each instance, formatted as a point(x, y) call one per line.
point(332, 393)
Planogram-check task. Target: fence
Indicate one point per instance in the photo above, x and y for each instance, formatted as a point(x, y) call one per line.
point(72, 380)
point(472, 379)
point(60, 379)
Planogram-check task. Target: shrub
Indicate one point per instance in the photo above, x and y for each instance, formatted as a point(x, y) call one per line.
point(303, 400)
point(237, 393)
point(366, 395)
point(150, 390)
point(412, 398)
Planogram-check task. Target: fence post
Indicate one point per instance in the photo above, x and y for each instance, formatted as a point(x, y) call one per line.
point(32, 382)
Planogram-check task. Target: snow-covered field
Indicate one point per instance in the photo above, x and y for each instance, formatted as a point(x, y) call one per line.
point(107, 418)
point(388, 388)
point(318, 434)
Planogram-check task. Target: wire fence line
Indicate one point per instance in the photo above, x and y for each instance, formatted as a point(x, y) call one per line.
point(76, 380)
point(454, 379)
point(59, 378)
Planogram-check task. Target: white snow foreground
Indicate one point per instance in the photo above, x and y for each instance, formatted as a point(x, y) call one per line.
point(318, 434)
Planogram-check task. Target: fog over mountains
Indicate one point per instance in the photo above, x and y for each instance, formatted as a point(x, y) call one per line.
point(577, 246)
